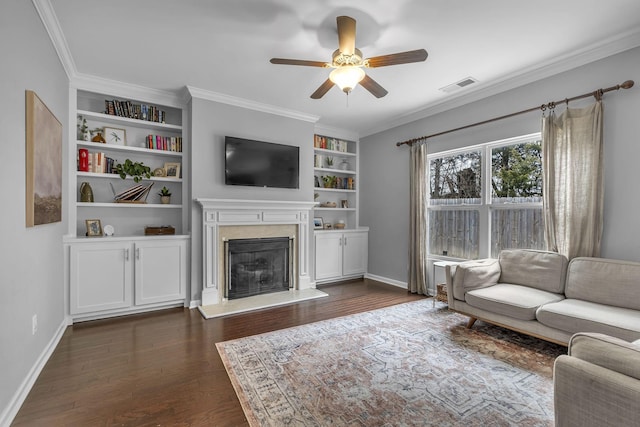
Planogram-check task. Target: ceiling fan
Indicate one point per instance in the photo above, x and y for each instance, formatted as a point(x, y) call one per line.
point(348, 63)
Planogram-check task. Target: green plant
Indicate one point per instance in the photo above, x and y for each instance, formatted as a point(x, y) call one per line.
point(329, 181)
point(329, 161)
point(164, 191)
point(135, 169)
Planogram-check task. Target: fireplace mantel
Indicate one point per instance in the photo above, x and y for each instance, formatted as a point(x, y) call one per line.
point(218, 213)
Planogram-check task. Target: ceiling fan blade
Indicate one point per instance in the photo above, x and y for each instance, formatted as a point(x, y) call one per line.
point(298, 62)
point(346, 34)
point(372, 86)
point(398, 58)
point(324, 88)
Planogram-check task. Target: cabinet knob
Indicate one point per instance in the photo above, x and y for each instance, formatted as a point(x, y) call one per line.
point(126, 254)
point(137, 253)
point(345, 240)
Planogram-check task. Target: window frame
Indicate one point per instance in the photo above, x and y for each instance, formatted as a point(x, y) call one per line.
point(487, 205)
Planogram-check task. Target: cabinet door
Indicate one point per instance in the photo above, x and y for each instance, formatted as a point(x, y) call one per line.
point(355, 253)
point(328, 255)
point(100, 276)
point(160, 271)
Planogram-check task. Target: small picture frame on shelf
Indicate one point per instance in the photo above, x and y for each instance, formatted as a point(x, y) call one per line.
point(172, 169)
point(317, 223)
point(115, 136)
point(94, 228)
point(344, 204)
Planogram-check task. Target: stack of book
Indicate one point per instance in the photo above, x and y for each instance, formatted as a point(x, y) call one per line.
point(166, 143)
point(136, 194)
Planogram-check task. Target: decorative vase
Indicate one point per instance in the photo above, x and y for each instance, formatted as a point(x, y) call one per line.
point(86, 136)
point(99, 138)
point(86, 192)
point(345, 165)
point(165, 200)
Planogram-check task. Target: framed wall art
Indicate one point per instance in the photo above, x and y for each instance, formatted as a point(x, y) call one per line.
point(43, 163)
point(317, 223)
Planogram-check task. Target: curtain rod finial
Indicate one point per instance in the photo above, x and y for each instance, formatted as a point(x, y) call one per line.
point(627, 85)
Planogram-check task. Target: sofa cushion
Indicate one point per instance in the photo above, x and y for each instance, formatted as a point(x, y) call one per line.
point(474, 274)
point(520, 302)
point(538, 269)
point(572, 315)
point(606, 281)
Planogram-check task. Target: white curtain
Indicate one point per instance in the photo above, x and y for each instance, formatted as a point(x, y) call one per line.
point(572, 150)
point(418, 282)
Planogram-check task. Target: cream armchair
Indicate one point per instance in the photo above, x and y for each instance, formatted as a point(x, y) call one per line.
point(598, 382)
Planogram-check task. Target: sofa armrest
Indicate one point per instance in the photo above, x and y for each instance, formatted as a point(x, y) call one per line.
point(596, 384)
point(607, 351)
point(469, 275)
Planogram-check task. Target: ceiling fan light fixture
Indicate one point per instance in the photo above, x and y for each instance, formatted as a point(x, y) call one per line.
point(347, 77)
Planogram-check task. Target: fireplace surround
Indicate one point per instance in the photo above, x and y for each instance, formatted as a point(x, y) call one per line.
point(225, 219)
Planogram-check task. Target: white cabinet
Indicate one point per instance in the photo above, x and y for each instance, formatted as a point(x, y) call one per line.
point(340, 254)
point(121, 276)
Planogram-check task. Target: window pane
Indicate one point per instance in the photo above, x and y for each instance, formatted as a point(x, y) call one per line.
point(516, 229)
point(456, 179)
point(454, 233)
point(516, 173)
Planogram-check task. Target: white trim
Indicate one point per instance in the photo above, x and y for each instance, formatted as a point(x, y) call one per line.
point(250, 105)
point(552, 67)
point(11, 410)
point(194, 303)
point(336, 132)
point(386, 280)
point(52, 25)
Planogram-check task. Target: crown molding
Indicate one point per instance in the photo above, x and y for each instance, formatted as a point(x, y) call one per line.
point(574, 59)
point(127, 90)
point(336, 132)
point(52, 26)
point(250, 105)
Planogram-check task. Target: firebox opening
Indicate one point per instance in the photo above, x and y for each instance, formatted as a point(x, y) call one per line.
point(258, 266)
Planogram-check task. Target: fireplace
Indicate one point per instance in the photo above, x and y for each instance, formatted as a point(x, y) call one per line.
point(257, 266)
point(225, 220)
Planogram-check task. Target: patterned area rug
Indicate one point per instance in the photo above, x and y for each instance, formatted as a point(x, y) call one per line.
point(406, 365)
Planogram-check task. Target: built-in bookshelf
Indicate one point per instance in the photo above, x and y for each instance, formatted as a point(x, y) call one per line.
point(335, 181)
point(142, 132)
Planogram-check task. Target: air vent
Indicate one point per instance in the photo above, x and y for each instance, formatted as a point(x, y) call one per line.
point(459, 85)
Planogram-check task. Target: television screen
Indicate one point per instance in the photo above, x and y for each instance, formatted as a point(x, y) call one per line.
point(261, 164)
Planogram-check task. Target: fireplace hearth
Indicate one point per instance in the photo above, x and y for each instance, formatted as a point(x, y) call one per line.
point(257, 266)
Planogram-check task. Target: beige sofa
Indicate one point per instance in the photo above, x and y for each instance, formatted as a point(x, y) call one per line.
point(541, 294)
point(598, 383)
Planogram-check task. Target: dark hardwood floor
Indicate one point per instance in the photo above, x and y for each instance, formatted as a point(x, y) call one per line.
point(163, 369)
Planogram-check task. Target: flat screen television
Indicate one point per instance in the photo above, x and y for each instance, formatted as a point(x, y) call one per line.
point(261, 164)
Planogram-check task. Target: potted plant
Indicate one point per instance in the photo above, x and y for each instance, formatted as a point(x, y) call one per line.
point(137, 170)
point(83, 129)
point(165, 195)
point(329, 181)
point(329, 161)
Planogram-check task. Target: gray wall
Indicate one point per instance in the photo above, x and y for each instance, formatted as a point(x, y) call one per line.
point(210, 123)
point(31, 262)
point(384, 197)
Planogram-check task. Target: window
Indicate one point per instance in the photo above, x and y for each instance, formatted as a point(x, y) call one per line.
point(486, 198)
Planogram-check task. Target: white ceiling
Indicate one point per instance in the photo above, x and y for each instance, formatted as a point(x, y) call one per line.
point(224, 46)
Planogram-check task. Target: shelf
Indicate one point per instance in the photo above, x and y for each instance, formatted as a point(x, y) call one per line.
point(127, 205)
point(335, 209)
point(340, 171)
point(335, 190)
point(108, 118)
point(116, 176)
point(127, 149)
point(334, 153)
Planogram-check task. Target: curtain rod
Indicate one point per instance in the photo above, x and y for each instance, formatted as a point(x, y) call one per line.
point(550, 105)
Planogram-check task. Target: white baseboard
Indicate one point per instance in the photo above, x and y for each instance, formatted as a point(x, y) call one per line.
point(195, 303)
point(9, 413)
point(386, 280)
